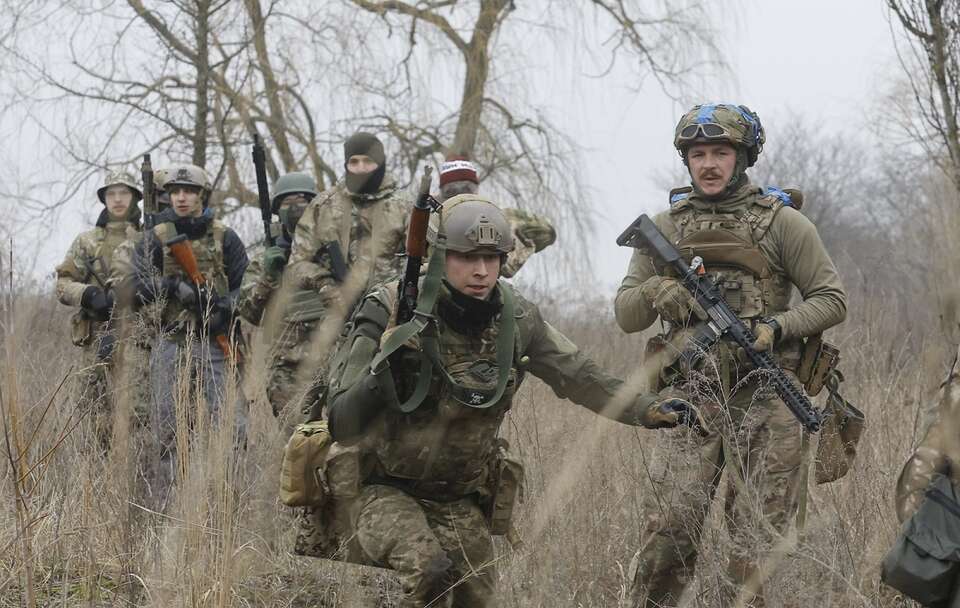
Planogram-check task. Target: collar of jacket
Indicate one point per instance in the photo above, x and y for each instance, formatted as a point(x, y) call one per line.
point(387, 188)
point(741, 197)
point(193, 227)
point(133, 218)
point(466, 315)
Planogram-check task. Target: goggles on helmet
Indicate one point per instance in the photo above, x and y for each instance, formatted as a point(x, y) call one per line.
point(707, 130)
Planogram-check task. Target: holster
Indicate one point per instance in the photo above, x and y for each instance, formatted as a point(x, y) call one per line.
point(817, 361)
point(505, 487)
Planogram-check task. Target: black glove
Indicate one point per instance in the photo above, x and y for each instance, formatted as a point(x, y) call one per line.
point(97, 302)
point(106, 344)
point(670, 412)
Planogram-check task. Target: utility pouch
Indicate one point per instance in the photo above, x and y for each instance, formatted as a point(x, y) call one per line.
point(81, 329)
point(302, 483)
point(924, 561)
point(506, 492)
point(842, 428)
point(817, 362)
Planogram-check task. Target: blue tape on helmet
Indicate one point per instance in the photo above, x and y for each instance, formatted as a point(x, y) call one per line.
point(780, 194)
point(706, 113)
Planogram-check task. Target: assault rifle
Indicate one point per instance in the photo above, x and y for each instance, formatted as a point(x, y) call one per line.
point(722, 322)
point(182, 252)
point(107, 342)
point(263, 188)
point(416, 248)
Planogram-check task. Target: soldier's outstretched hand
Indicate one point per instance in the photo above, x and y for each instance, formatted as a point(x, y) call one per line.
point(671, 412)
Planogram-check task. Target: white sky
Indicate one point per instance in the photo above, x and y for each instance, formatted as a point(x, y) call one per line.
point(819, 58)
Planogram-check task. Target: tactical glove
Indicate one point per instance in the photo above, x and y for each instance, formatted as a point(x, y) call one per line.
point(274, 261)
point(221, 314)
point(97, 302)
point(766, 336)
point(670, 412)
point(671, 300)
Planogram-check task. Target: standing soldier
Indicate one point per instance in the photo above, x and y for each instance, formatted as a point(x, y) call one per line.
point(193, 320)
point(760, 248)
point(84, 281)
point(432, 489)
point(531, 233)
point(359, 225)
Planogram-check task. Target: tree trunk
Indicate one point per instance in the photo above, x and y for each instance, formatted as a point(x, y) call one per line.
point(477, 59)
point(938, 57)
point(199, 156)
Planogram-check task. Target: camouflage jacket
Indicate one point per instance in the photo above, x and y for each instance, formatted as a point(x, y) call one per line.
point(440, 449)
point(92, 254)
point(531, 234)
point(371, 232)
point(257, 290)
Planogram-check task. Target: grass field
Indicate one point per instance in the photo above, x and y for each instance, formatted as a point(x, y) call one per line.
point(77, 527)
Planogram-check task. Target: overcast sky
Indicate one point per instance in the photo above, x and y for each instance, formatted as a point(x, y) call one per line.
point(817, 58)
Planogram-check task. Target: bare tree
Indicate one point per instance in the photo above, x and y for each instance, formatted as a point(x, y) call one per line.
point(931, 63)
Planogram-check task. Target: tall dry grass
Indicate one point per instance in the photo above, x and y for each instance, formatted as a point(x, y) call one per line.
point(82, 529)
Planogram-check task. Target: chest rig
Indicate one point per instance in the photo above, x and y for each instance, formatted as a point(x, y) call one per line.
point(443, 447)
point(208, 250)
point(729, 243)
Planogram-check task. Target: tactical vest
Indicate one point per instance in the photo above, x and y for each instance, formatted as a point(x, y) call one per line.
point(729, 244)
point(208, 250)
point(443, 449)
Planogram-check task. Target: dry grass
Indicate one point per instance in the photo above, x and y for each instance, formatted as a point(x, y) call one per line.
point(85, 532)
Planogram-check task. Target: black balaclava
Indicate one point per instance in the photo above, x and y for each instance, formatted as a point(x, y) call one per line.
point(465, 314)
point(369, 145)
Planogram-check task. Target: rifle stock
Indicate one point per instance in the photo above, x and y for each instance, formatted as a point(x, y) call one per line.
point(182, 252)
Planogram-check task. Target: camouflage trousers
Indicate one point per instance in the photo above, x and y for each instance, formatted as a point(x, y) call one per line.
point(92, 394)
point(439, 549)
point(756, 438)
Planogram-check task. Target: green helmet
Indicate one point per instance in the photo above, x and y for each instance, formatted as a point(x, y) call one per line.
point(185, 175)
point(472, 224)
point(119, 178)
point(721, 122)
point(292, 183)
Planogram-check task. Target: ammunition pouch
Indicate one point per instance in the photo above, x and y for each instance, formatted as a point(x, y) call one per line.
point(504, 491)
point(843, 426)
point(302, 479)
point(81, 329)
point(924, 561)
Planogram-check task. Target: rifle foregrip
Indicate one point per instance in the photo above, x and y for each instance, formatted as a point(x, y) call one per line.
point(417, 233)
point(182, 252)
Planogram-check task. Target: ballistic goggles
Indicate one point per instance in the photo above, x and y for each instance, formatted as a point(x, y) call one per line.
point(706, 130)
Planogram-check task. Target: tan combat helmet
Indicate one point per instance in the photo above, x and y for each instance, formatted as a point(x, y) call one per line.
point(721, 122)
point(119, 178)
point(471, 224)
point(186, 175)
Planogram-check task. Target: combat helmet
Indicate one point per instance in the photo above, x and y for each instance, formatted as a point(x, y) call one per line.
point(471, 224)
point(292, 183)
point(119, 178)
point(721, 122)
point(186, 175)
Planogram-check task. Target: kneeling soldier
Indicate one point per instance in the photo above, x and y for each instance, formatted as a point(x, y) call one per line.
point(425, 411)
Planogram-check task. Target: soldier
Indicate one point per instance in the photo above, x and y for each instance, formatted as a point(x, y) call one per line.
point(191, 318)
point(84, 280)
point(531, 233)
point(358, 224)
point(761, 248)
point(425, 509)
point(292, 193)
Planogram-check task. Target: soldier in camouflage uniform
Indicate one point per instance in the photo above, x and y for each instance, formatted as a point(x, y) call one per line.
point(760, 248)
point(427, 502)
point(84, 281)
point(186, 359)
point(361, 221)
point(531, 233)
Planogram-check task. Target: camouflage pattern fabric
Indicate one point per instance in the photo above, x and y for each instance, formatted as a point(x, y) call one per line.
point(256, 291)
point(531, 234)
point(758, 440)
point(436, 548)
point(773, 249)
point(371, 230)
